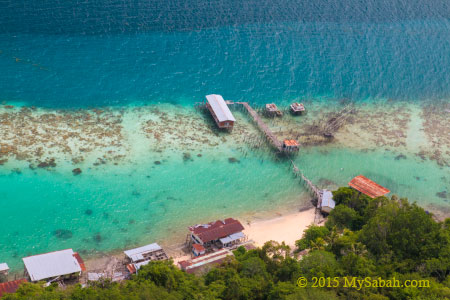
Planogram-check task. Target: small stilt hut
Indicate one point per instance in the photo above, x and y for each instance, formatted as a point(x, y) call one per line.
point(297, 108)
point(272, 110)
point(290, 146)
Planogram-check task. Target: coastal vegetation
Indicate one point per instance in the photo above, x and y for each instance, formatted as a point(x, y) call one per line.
point(380, 238)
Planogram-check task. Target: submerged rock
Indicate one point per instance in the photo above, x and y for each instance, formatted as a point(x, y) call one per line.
point(131, 221)
point(63, 234)
point(442, 194)
point(187, 156)
point(47, 164)
point(76, 171)
point(233, 160)
point(97, 238)
point(157, 162)
point(88, 212)
point(401, 156)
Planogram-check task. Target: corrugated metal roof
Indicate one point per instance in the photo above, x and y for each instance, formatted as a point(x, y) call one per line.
point(204, 260)
point(220, 108)
point(232, 237)
point(327, 199)
point(80, 261)
point(368, 187)
point(4, 267)
point(10, 286)
point(291, 143)
point(51, 264)
point(216, 230)
point(137, 253)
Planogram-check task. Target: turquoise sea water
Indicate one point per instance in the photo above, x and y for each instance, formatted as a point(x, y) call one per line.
point(110, 53)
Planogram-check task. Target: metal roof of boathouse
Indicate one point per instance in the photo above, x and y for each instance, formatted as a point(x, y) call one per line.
point(220, 108)
point(327, 199)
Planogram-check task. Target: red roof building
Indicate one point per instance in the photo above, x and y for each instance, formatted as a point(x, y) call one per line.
point(214, 231)
point(198, 249)
point(10, 286)
point(368, 187)
point(80, 261)
point(205, 261)
point(290, 145)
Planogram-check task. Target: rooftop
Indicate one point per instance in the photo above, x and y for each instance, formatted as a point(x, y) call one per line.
point(198, 247)
point(327, 199)
point(220, 108)
point(4, 267)
point(51, 264)
point(10, 286)
point(271, 107)
point(193, 265)
point(291, 143)
point(216, 230)
point(368, 187)
point(137, 253)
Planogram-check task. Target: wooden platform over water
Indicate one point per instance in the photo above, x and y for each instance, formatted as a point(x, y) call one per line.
point(261, 125)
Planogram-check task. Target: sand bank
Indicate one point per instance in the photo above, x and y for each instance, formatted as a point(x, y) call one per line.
point(287, 228)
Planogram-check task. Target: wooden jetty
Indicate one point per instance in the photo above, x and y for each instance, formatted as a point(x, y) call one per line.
point(317, 193)
point(264, 128)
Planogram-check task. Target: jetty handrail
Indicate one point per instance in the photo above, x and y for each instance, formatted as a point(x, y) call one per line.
point(314, 189)
point(269, 134)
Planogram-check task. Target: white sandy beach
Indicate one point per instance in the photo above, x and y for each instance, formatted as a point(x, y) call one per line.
point(287, 228)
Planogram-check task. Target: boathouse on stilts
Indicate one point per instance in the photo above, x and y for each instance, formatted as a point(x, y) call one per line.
point(220, 111)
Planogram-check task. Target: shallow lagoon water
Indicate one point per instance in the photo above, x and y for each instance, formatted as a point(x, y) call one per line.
point(115, 53)
point(113, 207)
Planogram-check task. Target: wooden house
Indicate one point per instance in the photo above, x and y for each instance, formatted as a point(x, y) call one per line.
point(222, 233)
point(290, 146)
point(220, 111)
point(198, 249)
point(141, 256)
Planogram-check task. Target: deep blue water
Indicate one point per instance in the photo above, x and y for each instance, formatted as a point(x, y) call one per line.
point(95, 53)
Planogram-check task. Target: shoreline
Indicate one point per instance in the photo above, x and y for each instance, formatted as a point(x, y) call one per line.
point(258, 231)
point(146, 140)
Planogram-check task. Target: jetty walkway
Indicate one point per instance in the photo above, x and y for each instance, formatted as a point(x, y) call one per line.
point(317, 193)
point(261, 125)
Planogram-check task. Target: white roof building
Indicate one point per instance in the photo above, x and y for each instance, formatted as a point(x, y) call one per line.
point(327, 201)
point(4, 268)
point(220, 108)
point(52, 264)
point(232, 237)
point(142, 253)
